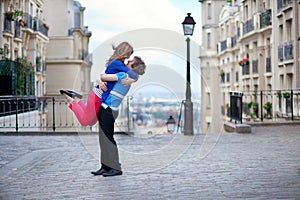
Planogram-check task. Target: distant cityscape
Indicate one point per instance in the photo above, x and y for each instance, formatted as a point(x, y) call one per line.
point(151, 110)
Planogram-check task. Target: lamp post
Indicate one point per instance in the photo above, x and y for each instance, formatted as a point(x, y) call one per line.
point(188, 29)
point(171, 124)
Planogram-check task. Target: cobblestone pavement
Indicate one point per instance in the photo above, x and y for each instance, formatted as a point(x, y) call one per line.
point(261, 165)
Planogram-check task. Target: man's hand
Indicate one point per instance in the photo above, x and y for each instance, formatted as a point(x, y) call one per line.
point(127, 81)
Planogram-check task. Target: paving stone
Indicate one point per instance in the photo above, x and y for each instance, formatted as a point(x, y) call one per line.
point(261, 165)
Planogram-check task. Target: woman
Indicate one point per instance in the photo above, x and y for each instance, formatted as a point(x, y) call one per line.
point(87, 113)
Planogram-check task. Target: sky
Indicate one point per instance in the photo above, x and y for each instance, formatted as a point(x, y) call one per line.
point(154, 29)
point(107, 18)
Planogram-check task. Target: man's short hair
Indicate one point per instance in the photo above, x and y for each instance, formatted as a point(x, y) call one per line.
point(138, 66)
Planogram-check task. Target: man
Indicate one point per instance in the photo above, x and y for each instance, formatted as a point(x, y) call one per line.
point(110, 165)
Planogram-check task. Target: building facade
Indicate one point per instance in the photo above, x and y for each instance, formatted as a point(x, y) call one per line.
point(23, 42)
point(209, 62)
point(68, 61)
point(43, 48)
point(257, 49)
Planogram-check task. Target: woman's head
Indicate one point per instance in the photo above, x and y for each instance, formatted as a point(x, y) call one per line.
point(121, 52)
point(138, 65)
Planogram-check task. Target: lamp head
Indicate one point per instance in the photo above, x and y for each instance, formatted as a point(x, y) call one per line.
point(188, 25)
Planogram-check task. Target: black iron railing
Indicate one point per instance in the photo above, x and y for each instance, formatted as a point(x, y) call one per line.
point(288, 50)
point(265, 18)
point(265, 105)
point(48, 113)
point(36, 24)
point(30, 112)
point(7, 25)
point(248, 26)
point(281, 4)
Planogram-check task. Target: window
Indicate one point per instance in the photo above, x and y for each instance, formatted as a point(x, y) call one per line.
point(209, 10)
point(43, 88)
point(77, 13)
point(37, 85)
point(289, 30)
point(227, 77)
point(289, 81)
point(31, 9)
point(208, 70)
point(281, 81)
point(208, 40)
point(281, 33)
point(246, 12)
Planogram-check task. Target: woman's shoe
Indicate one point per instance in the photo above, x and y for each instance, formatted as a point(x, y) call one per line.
point(75, 94)
point(71, 93)
point(66, 92)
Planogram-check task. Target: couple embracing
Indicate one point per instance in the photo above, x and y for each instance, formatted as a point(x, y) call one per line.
point(103, 103)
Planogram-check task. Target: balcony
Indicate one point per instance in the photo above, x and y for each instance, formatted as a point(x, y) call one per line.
point(223, 45)
point(36, 24)
point(282, 4)
point(265, 18)
point(248, 26)
point(288, 51)
point(7, 25)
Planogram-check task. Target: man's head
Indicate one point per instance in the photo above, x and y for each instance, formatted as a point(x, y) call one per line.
point(137, 65)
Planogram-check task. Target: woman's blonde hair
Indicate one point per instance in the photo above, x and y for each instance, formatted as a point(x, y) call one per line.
point(121, 52)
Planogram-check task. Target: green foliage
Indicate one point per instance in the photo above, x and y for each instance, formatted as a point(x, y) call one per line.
point(222, 72)
point(252, 108)
point(286, 95)
point(14, 15)
point(268, 107)
point(25, 77)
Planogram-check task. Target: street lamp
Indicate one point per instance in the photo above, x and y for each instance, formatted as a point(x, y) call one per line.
point(171, 124)
point(188, 29)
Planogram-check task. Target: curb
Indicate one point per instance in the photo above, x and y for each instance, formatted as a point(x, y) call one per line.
point(55, 133)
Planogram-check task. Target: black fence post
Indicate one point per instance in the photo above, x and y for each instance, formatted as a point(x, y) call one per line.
point(241, 104)
point(53, 107)
point(292, 109)
point(261, 106)
point(17, 108)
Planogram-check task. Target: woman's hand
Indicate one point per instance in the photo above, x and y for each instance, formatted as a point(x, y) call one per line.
point(102, 85)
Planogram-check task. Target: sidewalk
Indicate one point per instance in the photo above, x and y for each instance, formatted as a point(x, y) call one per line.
point(262, 165)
